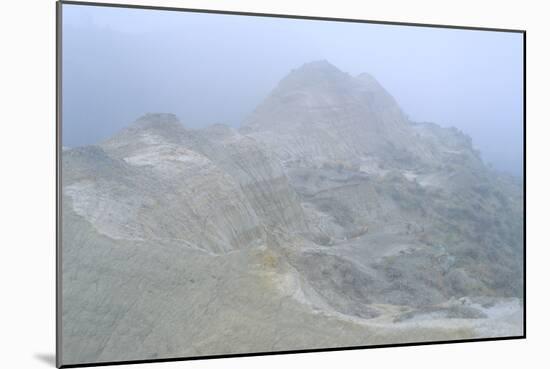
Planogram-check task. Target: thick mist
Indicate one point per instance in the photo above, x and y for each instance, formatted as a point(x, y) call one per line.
point(121, 63)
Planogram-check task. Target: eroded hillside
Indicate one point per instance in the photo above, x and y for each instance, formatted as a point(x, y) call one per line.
point(329, 219)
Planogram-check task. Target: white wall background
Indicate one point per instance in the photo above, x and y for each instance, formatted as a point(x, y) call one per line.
point(27, 192)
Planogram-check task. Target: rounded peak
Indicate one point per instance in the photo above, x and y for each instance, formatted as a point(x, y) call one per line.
point(150, 120)
point(318, 67)
point(159, 124)
point(315, 74)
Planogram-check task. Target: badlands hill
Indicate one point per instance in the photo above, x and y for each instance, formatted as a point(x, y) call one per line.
point(329, 219)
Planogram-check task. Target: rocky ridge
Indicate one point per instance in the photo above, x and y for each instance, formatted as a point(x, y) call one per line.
point(328, 219)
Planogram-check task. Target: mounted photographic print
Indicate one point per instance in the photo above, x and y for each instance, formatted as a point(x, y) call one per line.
point(243, 184)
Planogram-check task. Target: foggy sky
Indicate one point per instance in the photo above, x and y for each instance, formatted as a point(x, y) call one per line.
point(121, 63)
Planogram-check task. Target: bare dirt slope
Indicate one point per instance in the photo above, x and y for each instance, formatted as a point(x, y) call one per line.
point(327, 220)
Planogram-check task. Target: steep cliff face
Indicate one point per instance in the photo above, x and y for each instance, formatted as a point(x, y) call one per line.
point(329, 219)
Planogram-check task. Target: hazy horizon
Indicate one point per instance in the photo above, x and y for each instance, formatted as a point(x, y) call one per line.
point(119, 64)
